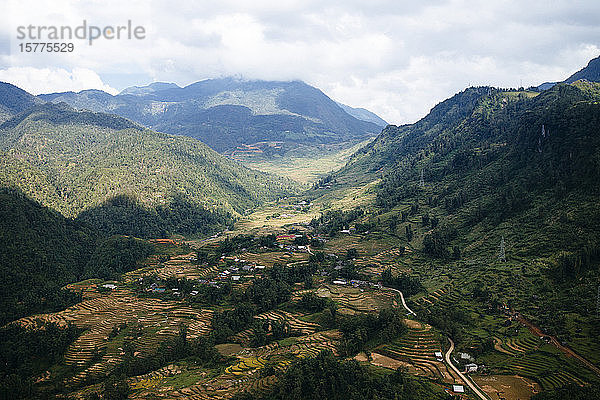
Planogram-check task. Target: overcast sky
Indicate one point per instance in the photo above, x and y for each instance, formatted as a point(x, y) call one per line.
point(396, 58)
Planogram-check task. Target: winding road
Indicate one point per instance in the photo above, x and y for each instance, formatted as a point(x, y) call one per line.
point(466, 380)
point(402, 298)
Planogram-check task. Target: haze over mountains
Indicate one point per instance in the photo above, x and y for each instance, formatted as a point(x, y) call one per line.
point(226, 113)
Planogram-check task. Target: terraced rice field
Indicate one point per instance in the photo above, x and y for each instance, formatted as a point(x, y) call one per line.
point(444, 296)
point(417, 349)
point(292, 319)
point(273, 257)
point(353, 300)
point(376, 264)
point(548, 371)
point(244, 374)
point(98, 316)
point(176, 267)
point(514, 346)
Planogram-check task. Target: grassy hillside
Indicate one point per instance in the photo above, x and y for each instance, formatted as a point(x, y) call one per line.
point(497, 165)
point(79, 162)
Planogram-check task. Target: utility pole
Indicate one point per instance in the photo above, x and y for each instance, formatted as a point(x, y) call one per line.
point(502, 253)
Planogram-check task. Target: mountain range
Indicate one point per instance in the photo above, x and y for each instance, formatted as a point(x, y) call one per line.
point(81, 162)
point(227, 113)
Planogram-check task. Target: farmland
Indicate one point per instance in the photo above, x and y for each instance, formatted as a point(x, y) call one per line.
point(172, 292)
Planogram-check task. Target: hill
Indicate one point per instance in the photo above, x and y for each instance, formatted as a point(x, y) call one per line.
point(492, 173)
point(14, 100)
point(41, 251)
point(228, 113)
point(124, 178)
point(590, 73)
point(364, 115)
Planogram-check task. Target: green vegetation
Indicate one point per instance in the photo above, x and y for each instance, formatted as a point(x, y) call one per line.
point(115, 256)
point(360, 329)
point(41, 252)
point(178, 184)
point(324, 376)
point(25, 354)
point(571, 392)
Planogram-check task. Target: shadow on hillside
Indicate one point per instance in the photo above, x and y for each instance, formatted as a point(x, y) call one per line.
point(125, 215)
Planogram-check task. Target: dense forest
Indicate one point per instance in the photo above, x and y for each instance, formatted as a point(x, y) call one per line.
point(91, 162)
point(41, 252)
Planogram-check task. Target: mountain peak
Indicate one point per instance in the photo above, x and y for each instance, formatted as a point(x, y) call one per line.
point(590, 73)
point(14, 100)
point(151, 88)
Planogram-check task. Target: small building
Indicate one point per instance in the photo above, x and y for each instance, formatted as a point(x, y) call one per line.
point(471, 367)
point(235, 277)
point(110, 286)
point(458, 388)
point(339, 282)
point(438, 356)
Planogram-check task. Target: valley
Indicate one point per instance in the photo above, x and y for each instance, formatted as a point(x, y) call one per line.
point(456, 257)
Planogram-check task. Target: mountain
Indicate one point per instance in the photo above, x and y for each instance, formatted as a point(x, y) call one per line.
point(227, 113)
point(125, 178)
point(41, 252)
point(590, 73)
point(151, 88)
point(364, 115)
point(488, 167)
point(14, 100)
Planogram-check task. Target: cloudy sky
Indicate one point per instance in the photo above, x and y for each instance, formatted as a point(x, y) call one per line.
point(397, 58)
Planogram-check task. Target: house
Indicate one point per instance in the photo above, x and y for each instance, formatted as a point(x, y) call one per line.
point(458, 388)
point(438, 356)
point(471, 367)
point(110, 286)
point(235, 277)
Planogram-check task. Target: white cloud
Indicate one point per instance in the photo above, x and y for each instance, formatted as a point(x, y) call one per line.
point(395, 57)
point(49, 80)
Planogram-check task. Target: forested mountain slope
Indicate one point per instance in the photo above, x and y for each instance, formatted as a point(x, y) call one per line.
point(41, 251)
point(97, 166)
point(498, 166)
point(226, 113)
point(14, 100)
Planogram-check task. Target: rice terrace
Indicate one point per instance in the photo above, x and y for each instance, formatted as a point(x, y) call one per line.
point(205, 209)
